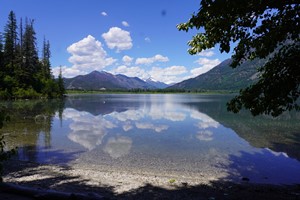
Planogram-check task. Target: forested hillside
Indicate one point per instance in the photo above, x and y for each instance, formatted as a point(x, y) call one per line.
point(23, 74)
point(223, 77)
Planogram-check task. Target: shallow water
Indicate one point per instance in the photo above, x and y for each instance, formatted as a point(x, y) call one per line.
point(185, 135)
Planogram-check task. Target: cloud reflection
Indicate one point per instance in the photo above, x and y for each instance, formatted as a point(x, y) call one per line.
point(133, 115)
point(205, 123)
point(89, 130)
point(156, 112)
point(156, 128)
point(127, 126)
point(166, 112)
point(86, 129)
point(118, 146)
point(175, 116)
point(205, 120)
point(205, 135)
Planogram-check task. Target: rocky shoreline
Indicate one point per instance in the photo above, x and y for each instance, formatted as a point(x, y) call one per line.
point(78, 182)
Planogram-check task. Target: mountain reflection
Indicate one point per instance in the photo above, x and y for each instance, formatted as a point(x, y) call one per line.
point(281, 134)
point(127, 115)
point(107, 112)
point(101, 105)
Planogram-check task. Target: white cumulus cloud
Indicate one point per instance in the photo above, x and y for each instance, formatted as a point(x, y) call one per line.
point(117, 38)
point(168, 71)
point(131, 71)
point(86, 55)
point(205, 65)
point(127, 60)
point(104, 14)
point(124, 23)
point(147, 61)
point(168, 75)
point(206, 53)
point(147, 39)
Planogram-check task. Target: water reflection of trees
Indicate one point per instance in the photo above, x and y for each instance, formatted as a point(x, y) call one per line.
point(281, 134)
point(101, 104)
point(30, 121)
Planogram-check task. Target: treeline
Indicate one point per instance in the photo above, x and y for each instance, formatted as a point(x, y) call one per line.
point(150, 91)
point(23, 74)
point(140, 90)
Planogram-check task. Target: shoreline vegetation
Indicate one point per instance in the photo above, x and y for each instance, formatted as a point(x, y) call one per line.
point(23, 73)
point(152, 91)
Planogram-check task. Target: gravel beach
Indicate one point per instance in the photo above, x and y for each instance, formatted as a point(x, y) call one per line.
point(109, 183)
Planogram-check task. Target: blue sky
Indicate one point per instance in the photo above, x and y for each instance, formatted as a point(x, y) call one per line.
point(131, 37)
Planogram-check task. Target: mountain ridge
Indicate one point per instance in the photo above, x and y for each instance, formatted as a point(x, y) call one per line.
point(156, 84)
point(101, 80)
point(223, 77)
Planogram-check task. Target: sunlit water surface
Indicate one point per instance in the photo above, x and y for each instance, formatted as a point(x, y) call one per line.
point(188, 135)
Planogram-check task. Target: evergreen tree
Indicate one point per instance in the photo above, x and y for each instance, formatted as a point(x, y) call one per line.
point(9, 54)
point(22, 74)
point(10, 36)
point(1, 54)
point(2, 70)
point(61, 87)
point(21, 34)
point(19, 58)
point(46, 65)
point(31, 61)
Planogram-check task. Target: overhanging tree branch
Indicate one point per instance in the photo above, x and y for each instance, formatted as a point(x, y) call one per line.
point(263, 29)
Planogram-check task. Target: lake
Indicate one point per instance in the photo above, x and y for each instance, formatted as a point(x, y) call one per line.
point(188, 135)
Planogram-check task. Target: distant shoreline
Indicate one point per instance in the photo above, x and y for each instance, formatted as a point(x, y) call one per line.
point(68, 92)
point(148, 92)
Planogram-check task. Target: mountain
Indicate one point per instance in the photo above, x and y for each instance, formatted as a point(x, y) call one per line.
point(223, 77)
point(156, 84)
point(102, 80)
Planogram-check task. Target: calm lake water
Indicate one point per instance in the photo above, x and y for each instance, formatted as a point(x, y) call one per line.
point(188, 135)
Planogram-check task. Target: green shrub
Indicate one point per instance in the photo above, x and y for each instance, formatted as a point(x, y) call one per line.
point(30, 93)
point(4, 94)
